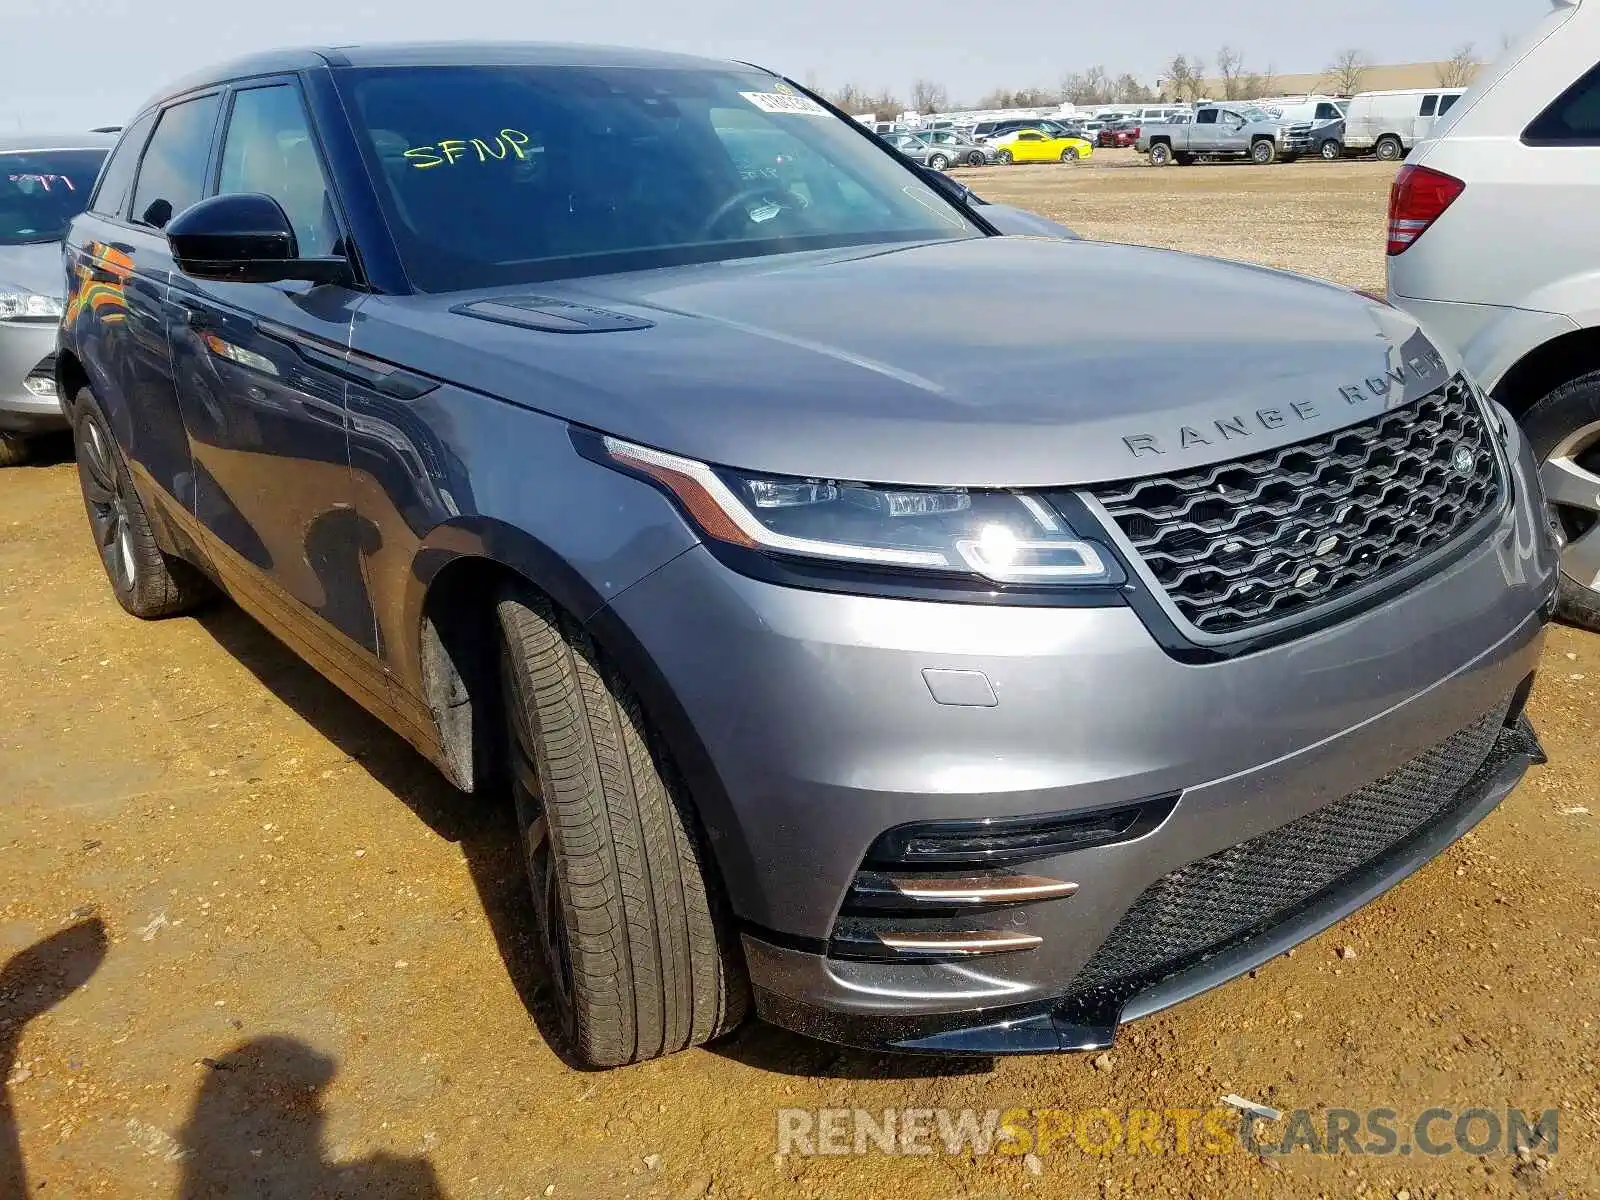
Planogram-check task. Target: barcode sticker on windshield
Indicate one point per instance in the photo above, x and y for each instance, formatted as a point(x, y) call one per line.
point(782, 102)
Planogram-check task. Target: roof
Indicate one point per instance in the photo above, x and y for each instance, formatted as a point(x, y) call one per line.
point(56, 141)
point(435, 54)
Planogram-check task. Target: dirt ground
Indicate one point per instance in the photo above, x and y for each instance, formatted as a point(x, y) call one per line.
point(251, 945)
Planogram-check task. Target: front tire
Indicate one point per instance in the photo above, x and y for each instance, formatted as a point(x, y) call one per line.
point(1389, 149)
point(14, 450)
point(1160, 154)
point(1331, 150)
point(147, 582)
point(1564, 431)
point(938, 162)
point(975, 159)
point(1263, 153)
point(639, 960)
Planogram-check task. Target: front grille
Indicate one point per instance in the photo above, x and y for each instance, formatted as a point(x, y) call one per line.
point(1259, 883)
point(1269, 537)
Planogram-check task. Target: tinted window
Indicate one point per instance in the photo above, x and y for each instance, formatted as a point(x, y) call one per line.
point(1208, 117)
point(1574, 117)
point(1327, 112)
point(268, 149)
point(1430, 105)
point(111, 198)
point(509, 175)
point(1446, 103)
point(173, 174)
point(42, 190)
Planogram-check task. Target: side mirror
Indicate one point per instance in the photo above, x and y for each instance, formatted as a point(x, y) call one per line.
point(245, 238)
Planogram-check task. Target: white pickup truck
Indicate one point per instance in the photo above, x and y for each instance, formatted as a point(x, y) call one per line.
point(1225, 131)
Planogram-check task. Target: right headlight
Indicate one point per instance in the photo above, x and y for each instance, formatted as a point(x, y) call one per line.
point(19, 304)
point(1001, 536)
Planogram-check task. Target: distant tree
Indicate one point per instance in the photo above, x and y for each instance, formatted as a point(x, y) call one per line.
point(1348, 72)
point(1127, 89)
point(929, 97)
point(1186, 77)
point(857, 101)
point(1461, 67)
point(1230, 66)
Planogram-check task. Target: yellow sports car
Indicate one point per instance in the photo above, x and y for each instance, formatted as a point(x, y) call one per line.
point(1033, 145)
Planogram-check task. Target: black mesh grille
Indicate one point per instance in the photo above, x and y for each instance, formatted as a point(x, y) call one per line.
point(1260, 882)
point(1264, 538)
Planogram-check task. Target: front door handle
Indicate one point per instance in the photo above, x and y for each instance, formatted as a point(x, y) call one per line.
point(194, 316)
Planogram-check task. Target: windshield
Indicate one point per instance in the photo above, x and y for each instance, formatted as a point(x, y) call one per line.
point(494, 176)
point(42, 190)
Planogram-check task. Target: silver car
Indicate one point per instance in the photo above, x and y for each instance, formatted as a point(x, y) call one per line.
point(45, 181)
point(949, 149)
point(1493, 246)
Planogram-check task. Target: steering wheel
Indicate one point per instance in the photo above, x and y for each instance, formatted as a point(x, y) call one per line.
point(759, 192)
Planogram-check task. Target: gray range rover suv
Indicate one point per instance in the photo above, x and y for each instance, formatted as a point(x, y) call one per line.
point(639, 434)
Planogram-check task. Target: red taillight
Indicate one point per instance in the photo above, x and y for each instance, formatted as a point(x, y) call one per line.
point(1418, 199)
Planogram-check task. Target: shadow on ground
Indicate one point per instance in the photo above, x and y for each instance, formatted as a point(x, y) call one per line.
point(486, 831)
point(256, 1132)
point(32, 982)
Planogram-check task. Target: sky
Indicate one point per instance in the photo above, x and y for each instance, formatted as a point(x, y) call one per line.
point(71, 64)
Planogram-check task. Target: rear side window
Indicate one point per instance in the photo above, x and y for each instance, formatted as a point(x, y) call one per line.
point(111, 197)
point(268, 149)
point(1573, 120)
point(1430, 106)
point(1209, 117)
point(1446, 103)
point(173, 174)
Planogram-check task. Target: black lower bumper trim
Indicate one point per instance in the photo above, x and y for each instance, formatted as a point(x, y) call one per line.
point(1072, 1024)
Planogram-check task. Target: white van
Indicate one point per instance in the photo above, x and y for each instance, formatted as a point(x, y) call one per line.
point(1390, 123)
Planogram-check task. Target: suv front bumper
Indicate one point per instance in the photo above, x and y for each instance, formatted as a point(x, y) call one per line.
point(27, 349)
point(816, 731)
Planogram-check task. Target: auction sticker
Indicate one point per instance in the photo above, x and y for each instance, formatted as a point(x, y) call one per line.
point(779, 102)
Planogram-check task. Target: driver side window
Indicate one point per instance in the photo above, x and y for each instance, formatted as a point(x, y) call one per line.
point(269, 150)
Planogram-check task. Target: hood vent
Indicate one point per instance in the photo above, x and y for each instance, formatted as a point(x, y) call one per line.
point(550, 316)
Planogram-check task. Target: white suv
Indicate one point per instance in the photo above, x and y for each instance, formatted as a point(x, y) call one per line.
point(1494, 244)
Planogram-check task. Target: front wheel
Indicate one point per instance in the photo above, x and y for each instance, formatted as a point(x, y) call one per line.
point(975, 159)
point(1263, 153)
point(639, 958)
point(1389, 149)
point(1564, 431)
point(1003, 158)
point(938, 162)
point(147, 582)
point(1160, 154)
point(1331, 150)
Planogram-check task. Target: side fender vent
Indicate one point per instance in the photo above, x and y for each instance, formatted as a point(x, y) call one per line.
point(551, 316)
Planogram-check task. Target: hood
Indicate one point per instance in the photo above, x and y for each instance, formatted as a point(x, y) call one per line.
point(1001, 361)
point(36, 267)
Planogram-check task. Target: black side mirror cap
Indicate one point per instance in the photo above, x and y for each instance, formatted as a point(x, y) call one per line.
point(245, 237)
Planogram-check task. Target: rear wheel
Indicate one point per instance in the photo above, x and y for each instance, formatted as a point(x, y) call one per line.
point(639, 960)
point(1263, 152)
point(1389, 149)
point(1564, 431)
point(146, 581)
point(14, 450)
point(1003, 158)
point(1161, 154)
point(1331, 150)
point(1069, 155)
